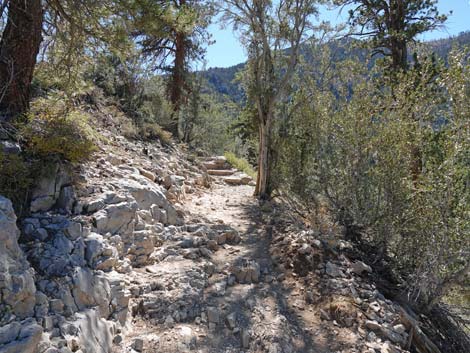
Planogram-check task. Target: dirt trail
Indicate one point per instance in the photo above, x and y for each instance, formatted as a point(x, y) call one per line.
point(251, 311)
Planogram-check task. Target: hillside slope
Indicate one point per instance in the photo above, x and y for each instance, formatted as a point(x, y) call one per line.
point(139, 250)
point(221, 80)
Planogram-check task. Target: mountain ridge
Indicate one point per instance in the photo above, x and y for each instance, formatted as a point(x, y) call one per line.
point(221, 79)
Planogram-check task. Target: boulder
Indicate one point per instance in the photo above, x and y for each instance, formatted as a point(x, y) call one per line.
point(17, 288)
point(145, 192)
point(9, 332)
point(89, 289)
point(238, 179)
point(116, 218)
point(99, 254)
point(66, 199)
point(57, 255)
point(48, 189)
point(148, 174)
point(26, 340)
point(94, 334)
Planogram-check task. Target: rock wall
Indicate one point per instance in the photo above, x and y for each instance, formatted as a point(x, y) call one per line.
point(17, 289)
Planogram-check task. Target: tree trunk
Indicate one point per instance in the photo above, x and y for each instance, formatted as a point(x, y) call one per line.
point(398, 45)
point(177, 83)
point(416, 163)
point(399, 54)
point(19, 48)
point(178, 79)
point(262, 189)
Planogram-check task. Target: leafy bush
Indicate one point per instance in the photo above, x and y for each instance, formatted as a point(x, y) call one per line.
point(392, 162)
point(149, 131)
point(146, 131)
point(15, 179)
point(240, 163)
point(54, 130)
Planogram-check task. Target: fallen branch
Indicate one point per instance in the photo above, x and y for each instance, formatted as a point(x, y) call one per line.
point(418, 338)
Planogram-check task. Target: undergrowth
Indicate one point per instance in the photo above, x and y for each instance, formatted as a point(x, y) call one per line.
point(240, 163)
point(52, 129)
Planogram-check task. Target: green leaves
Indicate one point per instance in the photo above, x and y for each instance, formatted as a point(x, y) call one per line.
point(393, 161)
point(392, 25)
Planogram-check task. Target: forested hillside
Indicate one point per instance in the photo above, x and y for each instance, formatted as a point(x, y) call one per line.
point(313, 199)
point(223, 80)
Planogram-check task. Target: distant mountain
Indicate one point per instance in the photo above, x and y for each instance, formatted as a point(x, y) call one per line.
point(221, 80)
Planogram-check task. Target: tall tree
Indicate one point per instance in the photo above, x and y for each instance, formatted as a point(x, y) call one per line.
point(19, 46)
point(22, 37)
point(172, 34)
point(272, 33)
point(393, 24)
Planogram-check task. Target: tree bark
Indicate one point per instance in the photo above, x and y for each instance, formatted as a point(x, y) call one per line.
point(19, 48)
point(178, 78)
point(398, 47)
point(262, 189)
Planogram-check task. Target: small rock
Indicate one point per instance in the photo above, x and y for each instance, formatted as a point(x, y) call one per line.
point(333, 270)
point(375, 307)
point(247, 272)
point(388, 348)
point(359, 267)
point(231, 320)
point(40, 234)
point(212, 314)
point(324, 315)
point(138, 344)
point(269, 279)
point(187, 336)
point(169, 321)
point(56, 306)
point(400, 328)
point(371, 336)
point(9, 147)
point(245, 336)
point(373, 325)
point(149, 175)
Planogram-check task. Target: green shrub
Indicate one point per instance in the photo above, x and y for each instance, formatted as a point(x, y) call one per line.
point(146, 132)
point(393, 163)
point(240, 163)
point(54, 130)
point(15, 179)
point(153, 131)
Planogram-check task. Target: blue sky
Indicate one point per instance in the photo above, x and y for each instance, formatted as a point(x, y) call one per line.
point(227, 51)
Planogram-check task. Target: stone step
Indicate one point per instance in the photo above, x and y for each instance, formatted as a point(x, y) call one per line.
point(209, 165)
point(216, 163)
point(221, 172)
point(241, 179)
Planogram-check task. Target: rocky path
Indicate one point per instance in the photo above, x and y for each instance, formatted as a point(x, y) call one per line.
point(140, 250)
point(233, 279)
point(151, 255)
point(230, 299)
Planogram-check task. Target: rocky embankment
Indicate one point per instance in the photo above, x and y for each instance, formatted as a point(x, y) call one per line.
point(140, 250)
point(66, 287)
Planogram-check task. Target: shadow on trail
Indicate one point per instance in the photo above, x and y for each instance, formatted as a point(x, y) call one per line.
point(263, 309)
